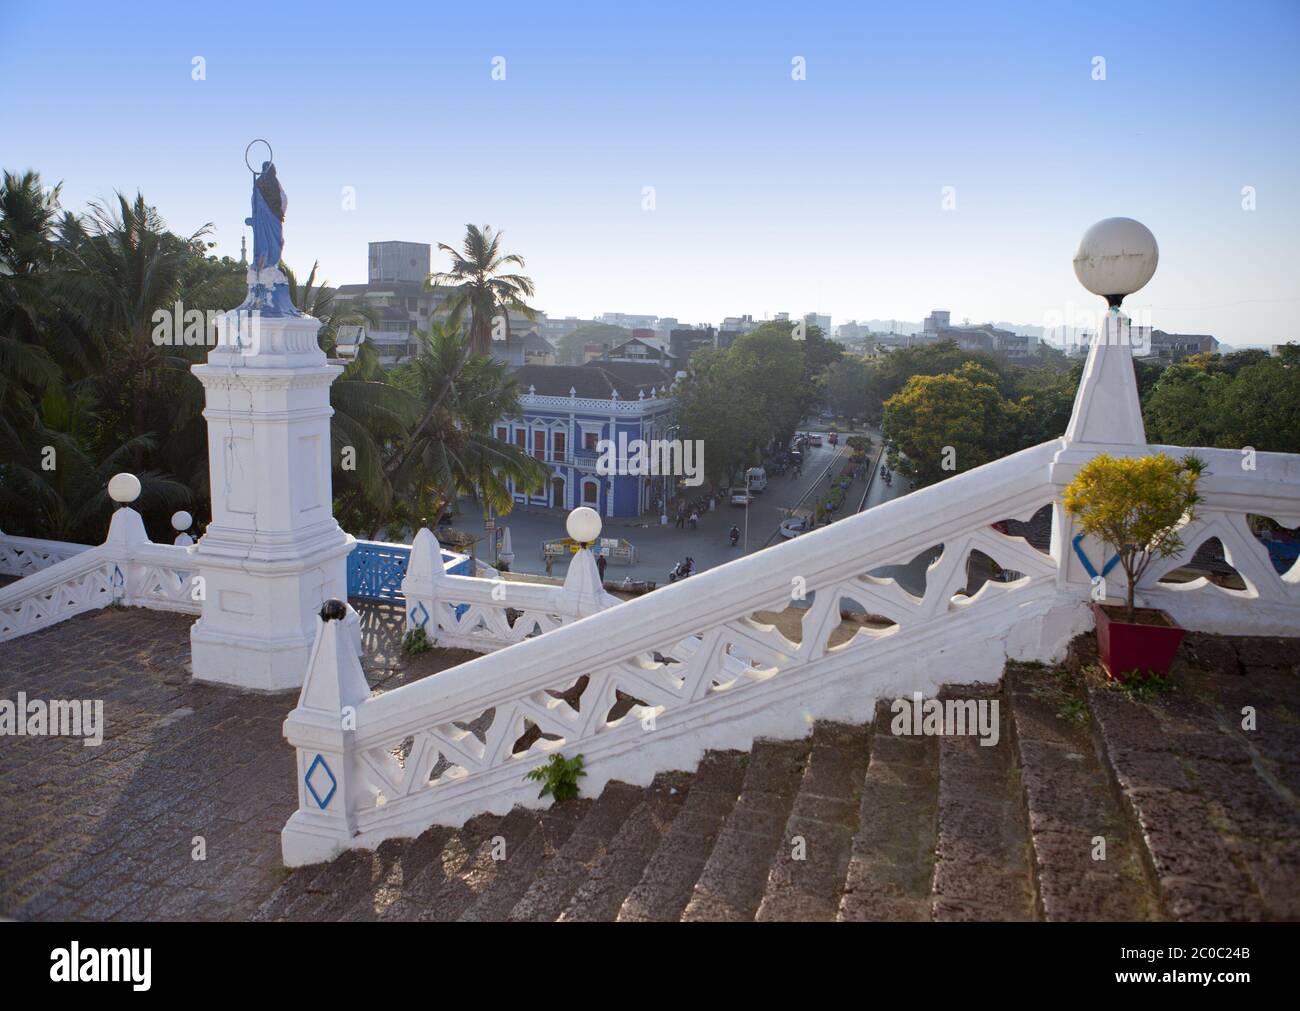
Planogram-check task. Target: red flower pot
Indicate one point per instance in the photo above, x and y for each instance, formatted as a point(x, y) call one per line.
point(1125, 647)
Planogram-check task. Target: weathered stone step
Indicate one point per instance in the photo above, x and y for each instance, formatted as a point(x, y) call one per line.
point(1220, 828)
point(807, 876)
point(549, 894)
point(730, 886)
point(400, 862)
point(350, 878)
point(981, 869)
point(1087, 865)
point(891, 861)
point(294, 891)
point(309, 891)
point(670, 875)
point(524, 862)
point(620, 867)
point(459, 890)
point(454, 858)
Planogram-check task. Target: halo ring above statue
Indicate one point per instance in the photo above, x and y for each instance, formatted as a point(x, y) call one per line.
point(270, 154)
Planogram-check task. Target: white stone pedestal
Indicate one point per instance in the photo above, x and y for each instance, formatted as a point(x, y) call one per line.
point(273, 552)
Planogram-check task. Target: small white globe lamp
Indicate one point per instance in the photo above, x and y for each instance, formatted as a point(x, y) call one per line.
point(123, 488)
point(1116, 257)
point(181, 523)
point(583, 525)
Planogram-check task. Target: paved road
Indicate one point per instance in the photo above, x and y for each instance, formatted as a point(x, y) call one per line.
point(659, 547)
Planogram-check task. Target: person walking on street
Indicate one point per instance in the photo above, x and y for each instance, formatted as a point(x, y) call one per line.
point(600, 566)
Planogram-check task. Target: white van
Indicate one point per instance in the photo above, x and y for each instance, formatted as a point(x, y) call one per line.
point(756, 477)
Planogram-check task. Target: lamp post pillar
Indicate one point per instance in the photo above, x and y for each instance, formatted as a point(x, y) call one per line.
point(1116, 257)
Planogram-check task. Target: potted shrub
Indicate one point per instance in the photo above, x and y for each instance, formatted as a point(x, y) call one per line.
point(1137, 506)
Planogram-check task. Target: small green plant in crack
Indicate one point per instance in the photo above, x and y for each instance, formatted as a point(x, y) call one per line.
point(1074, 710)
point(416, 642)
point(1058, 687)
point(1143, 685)
point(559, 777)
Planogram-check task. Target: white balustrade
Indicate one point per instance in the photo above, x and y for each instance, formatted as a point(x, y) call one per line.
point(652, 683)
point(24, 556)
point(469, 612)
point(1269, 603)
point(127, 569)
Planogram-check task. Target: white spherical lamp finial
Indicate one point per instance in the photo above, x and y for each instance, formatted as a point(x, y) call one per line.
point(123, 488)
point(583, 524)
point(1116, 257)
point(182, 521)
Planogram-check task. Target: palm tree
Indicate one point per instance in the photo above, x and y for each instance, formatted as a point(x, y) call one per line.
point(369, 412)
point(69, 501)
point(84, 391)
point(119, 272)
point(453, 450)
point(475, 286)
point(487, 395)
point(27, 370)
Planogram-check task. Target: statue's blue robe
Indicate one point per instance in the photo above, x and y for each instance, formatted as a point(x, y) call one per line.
point(268, 233)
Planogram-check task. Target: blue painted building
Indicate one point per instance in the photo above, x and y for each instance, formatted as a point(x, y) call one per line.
point(568, 409)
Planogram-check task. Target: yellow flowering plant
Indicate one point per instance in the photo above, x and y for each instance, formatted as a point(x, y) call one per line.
point(1137, 505)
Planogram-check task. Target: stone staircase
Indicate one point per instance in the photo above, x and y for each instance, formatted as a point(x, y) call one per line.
point(1093, 804)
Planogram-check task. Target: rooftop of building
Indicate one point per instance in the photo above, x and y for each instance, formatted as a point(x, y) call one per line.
point(407, 288)
point(596, 380)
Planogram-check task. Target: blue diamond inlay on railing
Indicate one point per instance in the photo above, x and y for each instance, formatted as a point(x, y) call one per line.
point(319, 761)
point(419, 614)
point(118, 579)
point(1087, 562)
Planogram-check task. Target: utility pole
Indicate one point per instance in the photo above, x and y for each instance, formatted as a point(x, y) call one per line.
point(745, 550)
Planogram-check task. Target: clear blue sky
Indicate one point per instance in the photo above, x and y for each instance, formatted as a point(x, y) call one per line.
point(771, 194)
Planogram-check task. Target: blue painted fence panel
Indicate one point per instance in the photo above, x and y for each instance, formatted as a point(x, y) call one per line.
point(376, 570)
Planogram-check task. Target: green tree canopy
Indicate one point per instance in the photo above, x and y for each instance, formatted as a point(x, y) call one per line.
point(949, 423)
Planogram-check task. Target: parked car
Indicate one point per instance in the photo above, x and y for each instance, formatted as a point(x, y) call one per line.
point(740, 497)
point(815, 439)
point(794, 526)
